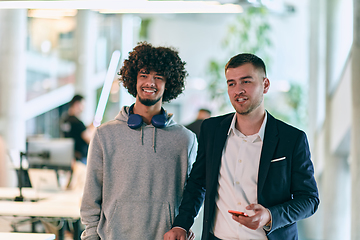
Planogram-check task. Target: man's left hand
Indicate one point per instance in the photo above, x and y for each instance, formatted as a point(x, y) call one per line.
point(258, 220)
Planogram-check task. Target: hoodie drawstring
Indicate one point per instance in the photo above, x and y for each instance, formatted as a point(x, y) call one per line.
point(154, 140)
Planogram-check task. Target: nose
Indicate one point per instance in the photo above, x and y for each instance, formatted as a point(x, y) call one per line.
point(240, 90)
point(151, 81)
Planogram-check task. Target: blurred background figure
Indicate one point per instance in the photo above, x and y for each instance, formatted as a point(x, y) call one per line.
point(195, 126)
point(72, 127)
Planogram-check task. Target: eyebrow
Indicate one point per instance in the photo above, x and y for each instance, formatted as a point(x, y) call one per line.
point(143, 71)
point(242, 78)
point(246, 77)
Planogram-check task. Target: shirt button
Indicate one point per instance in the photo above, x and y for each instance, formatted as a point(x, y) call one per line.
point(237, 182)
point(245, 140)
point(239, 203)
point(240, 161)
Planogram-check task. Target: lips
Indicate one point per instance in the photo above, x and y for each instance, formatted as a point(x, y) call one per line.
point(241, 99)
point(149, 90)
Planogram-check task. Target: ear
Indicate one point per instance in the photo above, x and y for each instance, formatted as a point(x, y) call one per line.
point(266, 83)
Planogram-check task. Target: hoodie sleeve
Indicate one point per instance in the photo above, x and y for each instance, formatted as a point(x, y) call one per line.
point(192, 153)
point(92, 197)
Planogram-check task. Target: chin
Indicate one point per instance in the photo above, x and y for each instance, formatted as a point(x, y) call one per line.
point(149, 102)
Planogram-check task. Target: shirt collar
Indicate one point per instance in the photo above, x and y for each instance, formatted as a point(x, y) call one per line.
point(260, 134)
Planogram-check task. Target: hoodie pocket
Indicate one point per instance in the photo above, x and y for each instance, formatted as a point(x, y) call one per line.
point(139, 220)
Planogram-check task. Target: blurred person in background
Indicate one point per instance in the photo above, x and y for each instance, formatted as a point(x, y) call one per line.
point(203, 114)
point(72, 127)
point(138, 163)
point(251, 163)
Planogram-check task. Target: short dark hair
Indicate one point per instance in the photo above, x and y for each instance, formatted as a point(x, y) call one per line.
point(244, 58)
point(163, 60)
point(76, 98)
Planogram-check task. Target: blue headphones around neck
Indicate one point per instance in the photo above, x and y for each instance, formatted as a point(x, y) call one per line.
point(135, 120)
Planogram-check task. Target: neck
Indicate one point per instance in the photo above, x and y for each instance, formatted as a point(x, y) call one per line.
point(147, 112)
point(250, 124)
point(72, 112)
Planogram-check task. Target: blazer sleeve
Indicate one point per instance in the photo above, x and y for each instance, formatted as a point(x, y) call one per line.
point(304, 193)
point(194, 191)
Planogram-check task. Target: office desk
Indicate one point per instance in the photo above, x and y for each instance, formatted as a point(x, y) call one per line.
point(59, 205)
point(26, 236)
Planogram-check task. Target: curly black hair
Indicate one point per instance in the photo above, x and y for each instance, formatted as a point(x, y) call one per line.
point(163, 60)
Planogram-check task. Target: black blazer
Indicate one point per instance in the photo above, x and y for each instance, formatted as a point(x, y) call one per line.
point(286, 187)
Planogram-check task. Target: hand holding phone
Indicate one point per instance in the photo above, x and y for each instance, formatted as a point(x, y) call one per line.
point(237, 213)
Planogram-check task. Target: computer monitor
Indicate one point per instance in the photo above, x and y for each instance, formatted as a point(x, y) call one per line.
point(52, 153)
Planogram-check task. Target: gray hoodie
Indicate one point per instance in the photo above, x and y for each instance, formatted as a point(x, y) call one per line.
point(135, 179)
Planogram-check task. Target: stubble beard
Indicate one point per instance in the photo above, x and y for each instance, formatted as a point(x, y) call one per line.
point(149, 102)
point(251, 108)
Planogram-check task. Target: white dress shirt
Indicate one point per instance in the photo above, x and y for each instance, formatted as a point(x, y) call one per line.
point(238, 181)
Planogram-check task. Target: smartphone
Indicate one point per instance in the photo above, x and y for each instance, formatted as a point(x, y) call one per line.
point(237, 213)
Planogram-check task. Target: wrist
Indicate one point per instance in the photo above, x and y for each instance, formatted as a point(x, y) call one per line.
point(268, 225)
point(180, 228)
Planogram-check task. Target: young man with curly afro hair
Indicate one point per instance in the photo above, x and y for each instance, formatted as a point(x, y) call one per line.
point(139, 162)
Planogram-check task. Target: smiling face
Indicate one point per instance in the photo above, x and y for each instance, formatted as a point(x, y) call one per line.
point(150, 87)
point(246, 88)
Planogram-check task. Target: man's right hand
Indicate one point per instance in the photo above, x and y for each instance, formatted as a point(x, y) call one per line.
point(177, 233)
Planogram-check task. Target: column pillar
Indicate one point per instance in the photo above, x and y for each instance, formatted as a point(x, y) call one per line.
point(13, 76)
point(12, 79)
point(312, 227)
point(355, 127)
point(334, 176)
point(86, 33)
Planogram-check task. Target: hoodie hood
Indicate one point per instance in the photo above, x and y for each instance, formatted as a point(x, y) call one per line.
point(123, 117)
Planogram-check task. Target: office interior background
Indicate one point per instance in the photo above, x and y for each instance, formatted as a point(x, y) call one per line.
point(311, 49)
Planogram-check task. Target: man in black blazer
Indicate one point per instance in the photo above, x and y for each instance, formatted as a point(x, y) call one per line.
point(250, 162)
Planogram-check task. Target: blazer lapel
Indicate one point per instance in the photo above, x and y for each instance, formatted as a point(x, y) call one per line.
point(220, 137)
point(270, 141)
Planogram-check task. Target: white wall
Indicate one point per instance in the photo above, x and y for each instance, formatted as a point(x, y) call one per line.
point(341, 38)
point(290, 38)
